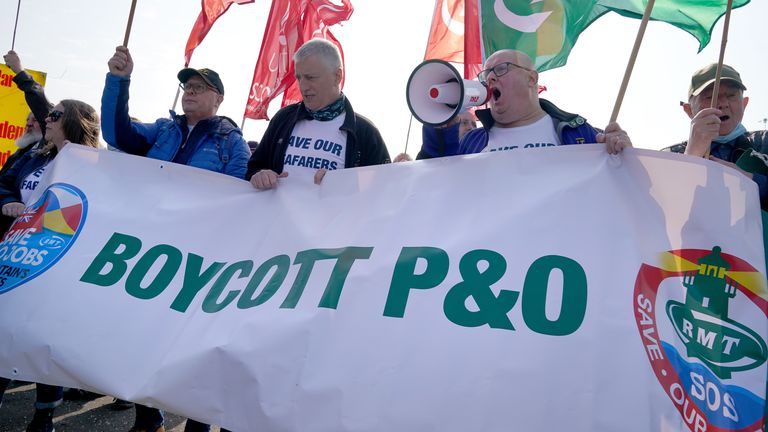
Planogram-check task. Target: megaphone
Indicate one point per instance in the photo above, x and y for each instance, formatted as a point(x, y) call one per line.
point(437, 93)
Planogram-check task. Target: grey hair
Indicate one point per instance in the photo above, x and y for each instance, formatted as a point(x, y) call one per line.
point(321, 47)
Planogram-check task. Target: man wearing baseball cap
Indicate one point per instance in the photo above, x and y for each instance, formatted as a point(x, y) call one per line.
point(717, 132)
point(198, 138)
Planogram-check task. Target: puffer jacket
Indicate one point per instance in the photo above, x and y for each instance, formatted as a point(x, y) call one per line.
point(215, 144)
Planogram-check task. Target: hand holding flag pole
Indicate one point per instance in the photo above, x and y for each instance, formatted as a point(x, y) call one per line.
point(719, 70)
point(723, 43)
point(130, 23)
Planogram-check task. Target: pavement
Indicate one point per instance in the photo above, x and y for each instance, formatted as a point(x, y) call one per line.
point(95, 415)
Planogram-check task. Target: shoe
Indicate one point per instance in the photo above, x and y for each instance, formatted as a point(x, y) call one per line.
point(120, 404)
point(138, 429)
point(73, 394)
point(42, 421)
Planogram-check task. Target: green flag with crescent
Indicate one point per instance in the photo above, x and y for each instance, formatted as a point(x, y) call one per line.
point(547, 29)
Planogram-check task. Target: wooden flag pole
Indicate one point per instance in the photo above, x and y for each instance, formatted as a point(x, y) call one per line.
point(719, 70)
point(632, 58)
point(723, 43)
point(130, 23)
point(15, 25)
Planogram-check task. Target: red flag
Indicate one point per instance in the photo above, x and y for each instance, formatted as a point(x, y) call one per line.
point(290, 24)
point(455, 35)
point(211, 11)
point(446, 36)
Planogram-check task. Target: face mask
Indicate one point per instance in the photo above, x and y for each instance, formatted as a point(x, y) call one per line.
point(735, 133)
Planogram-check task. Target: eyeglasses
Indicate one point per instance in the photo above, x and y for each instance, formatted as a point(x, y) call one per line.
point(195, 88)
point(55, 115)
point(500, 69)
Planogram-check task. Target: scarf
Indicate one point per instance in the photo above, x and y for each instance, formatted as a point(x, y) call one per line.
point(330, 112)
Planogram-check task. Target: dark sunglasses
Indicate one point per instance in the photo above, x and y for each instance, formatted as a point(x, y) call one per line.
point(55, 115)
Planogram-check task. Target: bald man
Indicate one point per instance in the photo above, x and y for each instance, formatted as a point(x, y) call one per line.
point(518, 119)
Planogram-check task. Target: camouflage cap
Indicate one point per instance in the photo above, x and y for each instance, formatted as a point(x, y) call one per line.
point(705, 76)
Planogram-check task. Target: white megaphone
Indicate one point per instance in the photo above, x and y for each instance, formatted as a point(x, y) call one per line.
point(436, 93)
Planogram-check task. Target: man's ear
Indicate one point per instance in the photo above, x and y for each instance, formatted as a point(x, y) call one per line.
point(339, 76)
point(219, 100)
point(688, 110)
point(745, 102)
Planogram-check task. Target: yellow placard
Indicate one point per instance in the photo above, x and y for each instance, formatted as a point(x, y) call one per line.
point(13, 110)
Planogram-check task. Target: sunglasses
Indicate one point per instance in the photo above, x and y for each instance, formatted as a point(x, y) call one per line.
point(55, 115)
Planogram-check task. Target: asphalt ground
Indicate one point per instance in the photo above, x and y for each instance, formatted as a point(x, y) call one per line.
point(94, 415)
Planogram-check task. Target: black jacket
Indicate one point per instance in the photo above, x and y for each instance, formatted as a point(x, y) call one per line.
point(732, 151)
point(364, 143)
point(10, 183)
point(39, 105)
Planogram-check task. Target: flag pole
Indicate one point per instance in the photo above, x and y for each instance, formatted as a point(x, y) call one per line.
point(176, 99)
point(408, 135)
point(434, 15)
point(723, 43)
point(130, 23)
point(632, 58)
point(719, 70)
point(15, 25)
point(178, 92)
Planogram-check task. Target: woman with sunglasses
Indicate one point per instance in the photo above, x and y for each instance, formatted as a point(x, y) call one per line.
point(70, 121)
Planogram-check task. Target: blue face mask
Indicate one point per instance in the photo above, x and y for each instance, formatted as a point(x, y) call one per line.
point(735, 133)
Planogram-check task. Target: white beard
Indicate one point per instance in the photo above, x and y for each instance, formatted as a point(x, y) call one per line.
point(28, 139)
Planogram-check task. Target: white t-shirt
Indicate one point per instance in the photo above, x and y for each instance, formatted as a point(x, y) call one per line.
point(541, 133)
point(29, 184)
point(316, 144)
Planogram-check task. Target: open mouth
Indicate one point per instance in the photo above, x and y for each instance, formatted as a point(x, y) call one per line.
point(496, 93)
point(725, 118)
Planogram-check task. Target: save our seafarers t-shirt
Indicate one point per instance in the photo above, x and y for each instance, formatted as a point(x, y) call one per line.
point(540, 133)
point(29, 184)
point(314, 145)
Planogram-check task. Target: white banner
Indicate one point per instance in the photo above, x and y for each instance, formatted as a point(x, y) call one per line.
point(551, 289)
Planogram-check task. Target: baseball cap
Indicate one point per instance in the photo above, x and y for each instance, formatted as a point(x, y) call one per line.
point(208, 75)
point(705, 76)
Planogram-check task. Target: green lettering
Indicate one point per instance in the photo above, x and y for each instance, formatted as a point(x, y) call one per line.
point(306, 259)
point(110, 255)
point(211, 304)
point(282, 264)
point(162, 279)
point(404, 277)
point(491, 309)
point(574, 303)
point(346, 258)
point(194, 280)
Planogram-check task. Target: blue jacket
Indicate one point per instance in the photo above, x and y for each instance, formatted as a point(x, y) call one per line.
point(215, 144)
point(571, 128)
point(438, 142)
